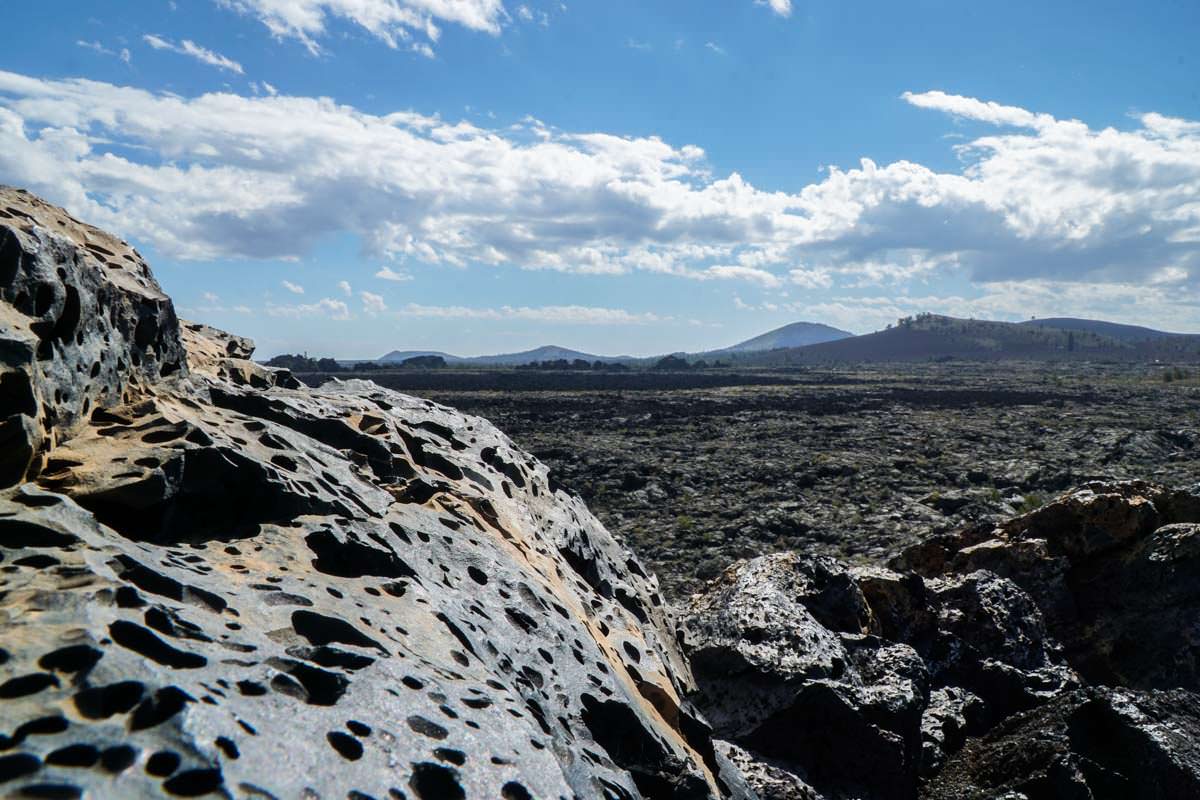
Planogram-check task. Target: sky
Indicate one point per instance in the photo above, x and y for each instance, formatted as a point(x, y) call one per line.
point(349, 177)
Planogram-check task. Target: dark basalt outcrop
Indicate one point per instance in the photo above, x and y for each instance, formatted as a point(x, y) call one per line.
point(1055, 655)
point(213, 581)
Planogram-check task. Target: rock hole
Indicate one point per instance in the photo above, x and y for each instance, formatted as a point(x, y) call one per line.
point(427, 727)
point(194, 782)
point(102, 702)
point(140, 640)
point(514, 791)
point(25, 685)
point(166, 703)
point(118, 758)
point(228, 747)
point(431, 781)
point(162, 763)
point(346, 745)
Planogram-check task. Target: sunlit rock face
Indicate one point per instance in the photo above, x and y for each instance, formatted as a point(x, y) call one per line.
point(214, 581)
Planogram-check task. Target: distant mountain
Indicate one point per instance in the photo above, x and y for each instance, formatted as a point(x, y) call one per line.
point(797, 334)
point(396, 356)
point(548, 352)
point(544, 353)
point(1114, 330)
point(929, 337)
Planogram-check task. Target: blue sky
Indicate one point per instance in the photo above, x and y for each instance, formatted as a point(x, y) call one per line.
point(475, 176)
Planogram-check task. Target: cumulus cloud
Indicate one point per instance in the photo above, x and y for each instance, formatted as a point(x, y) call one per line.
point(583, 315)
point(389, 274)
point(220, 175)
point(781, 7)
point(294, 288)
point(372, 303)
point(189, 48)
point(345, 287)
point(325, 307)
point(395, 22)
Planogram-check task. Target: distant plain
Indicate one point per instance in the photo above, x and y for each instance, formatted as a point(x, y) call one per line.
point(695, 470)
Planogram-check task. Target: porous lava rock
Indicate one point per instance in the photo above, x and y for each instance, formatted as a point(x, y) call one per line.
point(1053, 655)
point(213, 581)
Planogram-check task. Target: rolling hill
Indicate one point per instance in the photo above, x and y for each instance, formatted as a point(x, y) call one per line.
point(396, 356)
point(1113, 330)
point(930, 337)
point(544, 353)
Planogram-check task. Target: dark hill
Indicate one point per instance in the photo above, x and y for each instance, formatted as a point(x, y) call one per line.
point(396, 356)
point(1113, 330)
point(931, 337)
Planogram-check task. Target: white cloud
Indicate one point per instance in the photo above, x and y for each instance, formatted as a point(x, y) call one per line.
point(372, 303)
point(189, 48)
point(1039, 199)
point(970, 108)
point(716, 48)
point(395, 22)
point(325, 307)
point(123, 54)
point(811, 278)
point(583, 315)
point(781, 7)
point(727, 271)
point(389, 274)
point(294, 288)
point(345, 287)
point(210, 298)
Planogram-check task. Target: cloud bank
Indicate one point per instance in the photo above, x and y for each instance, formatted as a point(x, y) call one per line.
point(221, 175)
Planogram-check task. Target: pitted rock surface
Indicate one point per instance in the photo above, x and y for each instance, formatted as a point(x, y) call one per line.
point(83, 325)
point(214, 582)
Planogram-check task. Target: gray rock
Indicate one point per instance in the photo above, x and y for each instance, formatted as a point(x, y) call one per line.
point(862, 682)
point(1088, 744)
point(214, 582)
point(786, 668)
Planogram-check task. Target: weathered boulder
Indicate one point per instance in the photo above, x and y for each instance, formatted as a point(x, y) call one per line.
point(1114, 569)
point(83, 324)
point(785, 668)
point(214, 582)
point(860, 682)
point(1090, 744)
